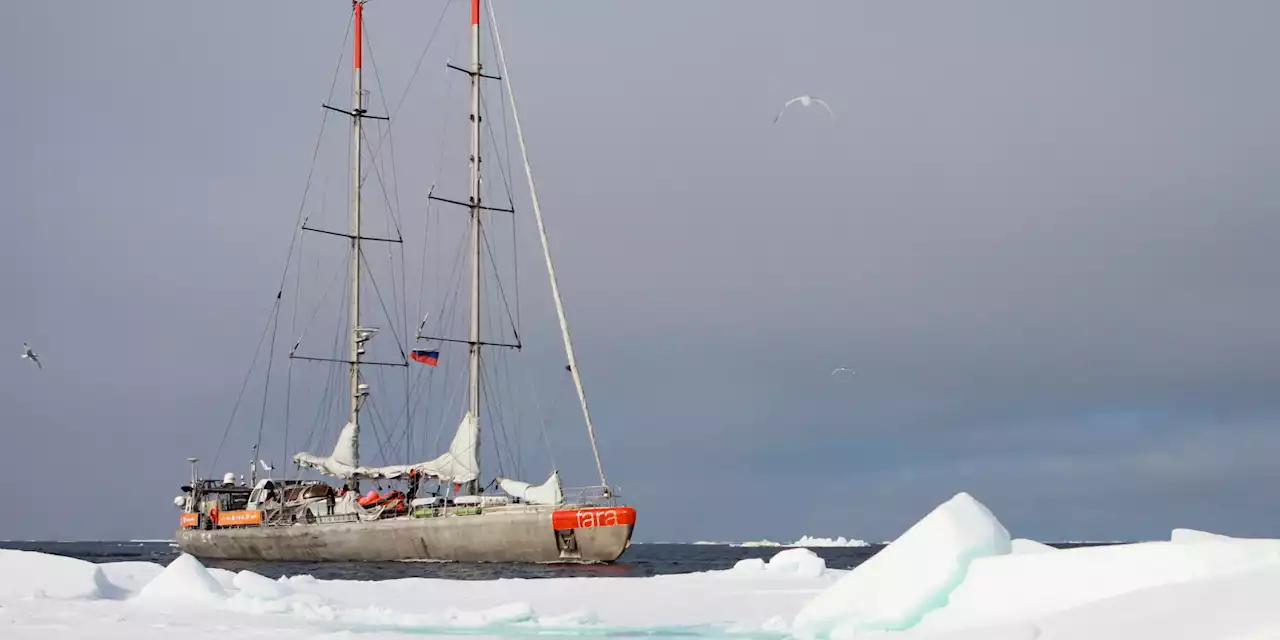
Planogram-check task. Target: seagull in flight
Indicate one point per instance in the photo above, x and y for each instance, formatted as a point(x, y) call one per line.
point(805, 101)
point(839, 369)
point(28, 354)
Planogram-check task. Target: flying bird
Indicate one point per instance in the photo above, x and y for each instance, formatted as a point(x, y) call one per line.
point(805, 101)
point(28, 354)
point(839, 369)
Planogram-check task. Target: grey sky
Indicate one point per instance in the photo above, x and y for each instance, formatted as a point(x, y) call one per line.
point(1042, 233)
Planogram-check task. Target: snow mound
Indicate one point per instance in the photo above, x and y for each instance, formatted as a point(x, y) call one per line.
point(801, 563)
point(912, 576)
point(1022, 546)
point(807, 541)
point(185, 580)
point(27, 574)
point(130, 577)
point(1020, 586)
point(225, 578)
point(1184, 536)
point(259, 587)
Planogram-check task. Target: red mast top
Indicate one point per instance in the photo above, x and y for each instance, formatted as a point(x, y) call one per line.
point(359, 9)
point(475, 12)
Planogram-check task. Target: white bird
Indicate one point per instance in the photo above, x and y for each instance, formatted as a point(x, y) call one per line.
point(805, 101)
point(839, 369)
point(28, 354)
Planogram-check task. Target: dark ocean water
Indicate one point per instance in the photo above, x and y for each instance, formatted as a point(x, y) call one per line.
point(640, 560)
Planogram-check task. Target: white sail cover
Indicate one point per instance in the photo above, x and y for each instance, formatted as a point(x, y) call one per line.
point(458, 464)
point(550, 492)
point(341, 463)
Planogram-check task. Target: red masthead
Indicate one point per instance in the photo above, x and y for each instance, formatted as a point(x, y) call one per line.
point(359, 10)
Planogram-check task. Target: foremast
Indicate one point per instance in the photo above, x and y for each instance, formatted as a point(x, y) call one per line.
point(473, 336)
point(357, 337)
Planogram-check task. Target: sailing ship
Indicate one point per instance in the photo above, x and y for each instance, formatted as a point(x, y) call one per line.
point(508, 520)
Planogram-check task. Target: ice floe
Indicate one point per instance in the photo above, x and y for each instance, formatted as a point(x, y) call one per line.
point(955, 575)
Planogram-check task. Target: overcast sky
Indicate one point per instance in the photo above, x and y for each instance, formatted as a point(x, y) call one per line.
point(1042, 233)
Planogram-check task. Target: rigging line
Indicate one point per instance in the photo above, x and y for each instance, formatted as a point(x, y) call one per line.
point(402, 314)
point(506, 181)
point(382, 184)
point(431, 211)
point(448, 324)
point(240, 396)
point(501, 293)
point(394, 218)
point(506, 381)
point(381, 302)
point(383, 447)
point(542, 418)
point(418, 67)
point(315, 154)
point(288, 375)
point(506, 138)
point(391, 451)
point(546, 250)
point(266, 389)
point(327, 398)
point(510, 193)
point(408, 423)
point(513, 453)
point(495, 418)
point(392, 318)
point(316, 312)
point(293, 322)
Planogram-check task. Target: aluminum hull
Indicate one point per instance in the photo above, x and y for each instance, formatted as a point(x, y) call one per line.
point(510, 534)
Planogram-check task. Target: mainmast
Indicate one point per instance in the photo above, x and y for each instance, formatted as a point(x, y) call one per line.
point(474, 335)
point(357, 337)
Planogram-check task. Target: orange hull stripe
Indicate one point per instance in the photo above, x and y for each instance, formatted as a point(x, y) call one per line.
point(232, 518)
point(592, 517)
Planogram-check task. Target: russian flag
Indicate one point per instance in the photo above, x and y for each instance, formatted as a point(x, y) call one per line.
point(431, 358)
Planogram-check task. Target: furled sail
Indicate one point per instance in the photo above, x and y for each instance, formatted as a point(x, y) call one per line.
point(340, 463)
point(550, 492)
point(457, 465)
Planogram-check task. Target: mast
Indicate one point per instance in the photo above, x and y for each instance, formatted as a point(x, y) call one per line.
point(357, 110)
point(474, 334)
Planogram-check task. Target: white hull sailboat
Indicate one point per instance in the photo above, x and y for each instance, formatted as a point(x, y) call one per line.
point(310, 520)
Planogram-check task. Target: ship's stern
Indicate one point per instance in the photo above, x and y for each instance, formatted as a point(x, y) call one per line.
point(593, 534)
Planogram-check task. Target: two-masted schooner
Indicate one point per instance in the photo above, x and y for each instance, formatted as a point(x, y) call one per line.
point(311, 520)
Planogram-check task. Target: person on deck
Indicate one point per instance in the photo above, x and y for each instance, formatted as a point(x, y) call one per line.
point(413, 485)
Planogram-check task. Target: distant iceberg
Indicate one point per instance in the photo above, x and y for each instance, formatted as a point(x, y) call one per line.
point(804, 541)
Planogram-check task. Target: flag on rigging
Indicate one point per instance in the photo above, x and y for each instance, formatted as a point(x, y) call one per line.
point(431, 358)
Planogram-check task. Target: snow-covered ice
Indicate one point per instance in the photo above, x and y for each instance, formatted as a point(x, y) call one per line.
point(1022, 545)
point(955, 575)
